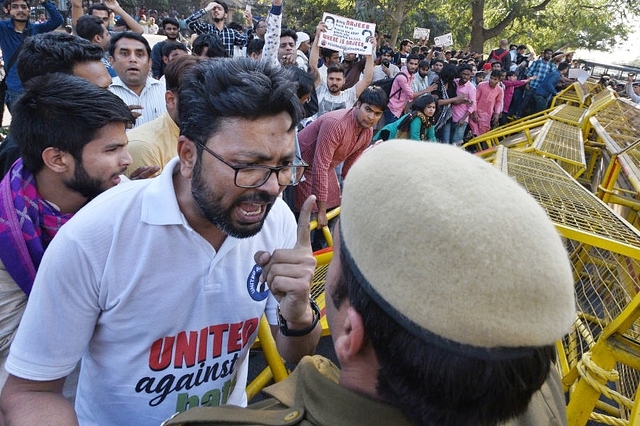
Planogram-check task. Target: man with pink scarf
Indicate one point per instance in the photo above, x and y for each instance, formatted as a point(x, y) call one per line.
point(72, 139)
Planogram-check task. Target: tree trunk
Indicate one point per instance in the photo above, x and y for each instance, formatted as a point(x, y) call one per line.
point(397, 16)
point(362, 11)
point(477, 26)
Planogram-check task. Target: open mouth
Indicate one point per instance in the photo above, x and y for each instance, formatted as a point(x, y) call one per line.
point(250, 213)
point(251, 209)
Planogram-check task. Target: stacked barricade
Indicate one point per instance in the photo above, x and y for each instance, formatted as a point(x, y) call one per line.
point(599, 360)
point(580, 160)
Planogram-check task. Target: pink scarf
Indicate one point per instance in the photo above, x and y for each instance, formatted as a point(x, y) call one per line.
point(28, 223)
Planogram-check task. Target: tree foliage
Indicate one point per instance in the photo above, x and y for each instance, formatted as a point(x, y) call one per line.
point(591, 24)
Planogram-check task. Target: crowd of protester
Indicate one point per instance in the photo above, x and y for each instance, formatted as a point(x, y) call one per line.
point(218, 94)
point(521, 86)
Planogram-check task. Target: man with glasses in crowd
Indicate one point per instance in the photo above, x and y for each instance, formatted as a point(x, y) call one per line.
point(159, 286)
point(13, 31)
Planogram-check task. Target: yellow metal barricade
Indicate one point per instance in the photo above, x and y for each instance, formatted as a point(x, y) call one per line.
point(518, 133)
point(564, 143)
point(600, 357)
point(617, 128)
point(575, 94)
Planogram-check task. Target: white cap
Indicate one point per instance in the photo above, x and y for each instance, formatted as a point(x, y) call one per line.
point(301, 37)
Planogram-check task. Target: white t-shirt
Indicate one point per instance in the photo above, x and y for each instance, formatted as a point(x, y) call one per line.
point(378, 74)
point(328, 102)
point(166, 322)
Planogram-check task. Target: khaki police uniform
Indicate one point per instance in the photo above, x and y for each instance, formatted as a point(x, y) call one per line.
point(311, 396)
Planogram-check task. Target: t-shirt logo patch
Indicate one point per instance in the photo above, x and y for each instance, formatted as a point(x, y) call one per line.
point(257, 290)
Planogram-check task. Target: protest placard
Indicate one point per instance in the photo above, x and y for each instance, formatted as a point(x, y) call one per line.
point(421, 33)
point(444, 40)
point(578, 74)
point(346, 34)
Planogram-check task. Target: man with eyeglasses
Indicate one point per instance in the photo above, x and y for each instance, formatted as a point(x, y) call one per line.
point(13, 31)
point(159, 288)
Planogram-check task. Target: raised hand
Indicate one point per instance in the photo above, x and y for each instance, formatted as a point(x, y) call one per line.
point(289, 272)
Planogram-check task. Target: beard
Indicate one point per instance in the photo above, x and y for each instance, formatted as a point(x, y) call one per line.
point(334, 90)
point(221, 216)
point(218, 19)
point(84, 184)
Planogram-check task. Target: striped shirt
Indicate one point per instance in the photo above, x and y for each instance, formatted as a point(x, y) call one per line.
point(334, 138)
point(151, 98)
point(229, 37)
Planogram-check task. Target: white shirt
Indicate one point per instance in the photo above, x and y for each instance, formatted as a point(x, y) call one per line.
point(151, 98)
point(328, 102)
point(419, 83)
point(302, 61)
point(148, 304)
point(378, 74)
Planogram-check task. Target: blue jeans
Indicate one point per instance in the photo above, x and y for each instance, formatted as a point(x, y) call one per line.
point(389, 117)
point(459, 129)
point(453, 132)
point(524, 103)
point(541, 102)
point(444, 134)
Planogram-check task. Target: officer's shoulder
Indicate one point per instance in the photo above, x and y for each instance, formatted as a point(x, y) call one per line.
point(267, 413)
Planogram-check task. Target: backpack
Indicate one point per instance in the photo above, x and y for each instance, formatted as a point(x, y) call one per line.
point(387, 83)
point(405, 121)
point(494, 55)
point(399, 129)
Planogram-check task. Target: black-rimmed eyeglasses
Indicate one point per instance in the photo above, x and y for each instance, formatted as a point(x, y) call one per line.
point(256, 176)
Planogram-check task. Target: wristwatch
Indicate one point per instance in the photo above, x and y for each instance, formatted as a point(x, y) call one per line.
point(285, 331)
